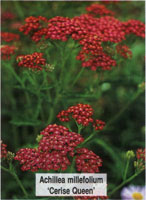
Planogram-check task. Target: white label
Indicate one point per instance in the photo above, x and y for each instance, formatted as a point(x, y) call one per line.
point(63, 184)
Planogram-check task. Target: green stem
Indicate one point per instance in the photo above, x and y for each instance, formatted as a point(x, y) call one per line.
point(5, 169)
point(38, 108)
point(72, 165)
point(12, 172)
point(68, 126)
point(64, 57)
point(78, 76)
point(19, 9)
point(15, 75)
point(52, 109)
point(89, 138)
point(19, 81)
point(123, 183)
point(59, 86)
point(79, 129)
point(126, 170)
point(20, 184)
point(79, 126)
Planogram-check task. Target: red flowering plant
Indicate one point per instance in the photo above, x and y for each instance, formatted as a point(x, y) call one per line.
point(58, 149)
point(76, 69)
point(7, 50)
point(90, 32)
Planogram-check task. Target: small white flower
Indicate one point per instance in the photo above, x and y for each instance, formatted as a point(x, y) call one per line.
point(133, 193)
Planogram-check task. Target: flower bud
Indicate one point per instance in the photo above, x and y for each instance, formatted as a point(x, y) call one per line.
point(135, 164)
point(49, 67)
point(142, 85)
point(39, 137)
point(130, 154)
point(10, 156)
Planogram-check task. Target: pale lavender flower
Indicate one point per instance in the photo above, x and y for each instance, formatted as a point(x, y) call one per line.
point(133, 193)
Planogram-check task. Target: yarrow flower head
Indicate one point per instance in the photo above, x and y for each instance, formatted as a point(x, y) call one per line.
point(55, 145)
point(34, 160)
point(33, 24)
point(140, 154)
point(83, 114)
point(3, 150)
point(7, 15)
point(7, 51)
point(31, 61)
point(135, 27)
point(29, 158)
point(59, 138)
point(130, 154)
point(10, 156)
point(89, 32)
point(124, 51)
point(98, 9)
point(16, 25)
point(4, 153)
point(8, 37)
point(140, 163)
point(87, 161)
point(133, 193)
point(52, 152)
point(98, 124)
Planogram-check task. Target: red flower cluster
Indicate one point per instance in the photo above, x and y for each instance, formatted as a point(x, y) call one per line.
point(134, 27)
point(60, 139)
point(33, 24)
point(29, 158)
point(7, 51)
point(34, 160)
point(33, 61)
point(89, 31)
point(52, 151)
point(87, 161)
point(83, 114)
point(3, 150)
point(124, 51)
point(140, 154)
point(8, 37)
point(7, 15)
point(59, 28)
point(92, 54)
point(98, 124)
point(98, 9)
point(15, 25)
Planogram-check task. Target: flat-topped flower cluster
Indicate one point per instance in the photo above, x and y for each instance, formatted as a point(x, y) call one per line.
point(90, 32)
point(58, 145)
point(82, 114)
point(95, 32)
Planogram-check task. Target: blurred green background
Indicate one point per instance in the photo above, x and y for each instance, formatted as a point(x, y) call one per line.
point(114, 95)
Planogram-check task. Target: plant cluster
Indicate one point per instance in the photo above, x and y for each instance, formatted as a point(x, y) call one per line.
point(75, 69)
point(56, 145)
point(33, 61)
point(90, 32)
